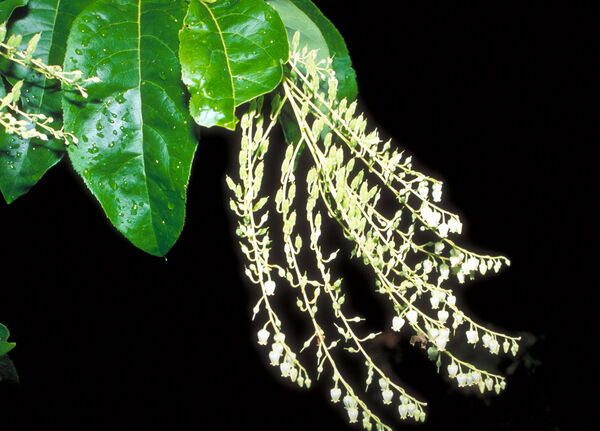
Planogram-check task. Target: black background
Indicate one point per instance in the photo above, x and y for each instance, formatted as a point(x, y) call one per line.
point(491, 98)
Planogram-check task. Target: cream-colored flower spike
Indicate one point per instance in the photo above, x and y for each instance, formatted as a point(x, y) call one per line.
point(410, 253)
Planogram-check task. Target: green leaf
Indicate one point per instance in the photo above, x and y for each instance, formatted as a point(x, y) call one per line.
point(136, 141)
point(231, 51)
point(5, 346)
point(6, 9)
point(24, 161)
point(317, 32)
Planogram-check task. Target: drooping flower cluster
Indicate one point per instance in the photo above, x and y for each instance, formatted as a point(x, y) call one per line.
point(410, 251)
point(29, 125)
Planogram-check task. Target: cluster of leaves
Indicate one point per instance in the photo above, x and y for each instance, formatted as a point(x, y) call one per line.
point(121, 89)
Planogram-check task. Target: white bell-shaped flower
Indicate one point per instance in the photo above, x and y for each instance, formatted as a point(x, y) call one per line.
point(397, 323)
point(472, 336)
point(452, 370)
point(387, 396)
point(263, 337)
point(352, 414)
point(443, 316)
point(412, 316)
point(269, 287)
point(335, 393)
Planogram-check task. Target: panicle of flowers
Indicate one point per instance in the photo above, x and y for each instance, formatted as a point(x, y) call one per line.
point(410, 251)
point(10, 49)
point(253, 232)
point(29, 125)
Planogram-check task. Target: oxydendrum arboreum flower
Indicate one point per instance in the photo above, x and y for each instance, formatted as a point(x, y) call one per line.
point(336, 172)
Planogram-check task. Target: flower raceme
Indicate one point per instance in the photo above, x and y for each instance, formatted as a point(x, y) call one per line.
point(410, 253)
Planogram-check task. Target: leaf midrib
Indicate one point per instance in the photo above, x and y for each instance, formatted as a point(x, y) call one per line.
point(226, 54)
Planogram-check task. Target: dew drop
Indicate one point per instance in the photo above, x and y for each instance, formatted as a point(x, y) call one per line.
point(86, 173)
point(163, 75)
point(134, 209)
point(170, 205)
point(99, 126)
point(78, 51)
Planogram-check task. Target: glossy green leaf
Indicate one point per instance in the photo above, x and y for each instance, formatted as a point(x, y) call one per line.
point(24, 161)
point(317, 32)
point(136, 141)
point(7, 7)
point(231, 51)
point(5, 346)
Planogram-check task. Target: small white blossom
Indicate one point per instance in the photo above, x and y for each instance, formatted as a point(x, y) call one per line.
point(451, 299)
point(443, 230)
point(461, 379)
point(452, 370)
point(485, 339)
point(270, 287)
point(440, 342)
point(489, 383)
point(443, 315)
point(454, 225)
point(397, 323)
point(423, 190)
point(436, 192)
point(472, 336)
point(335, 394)
point(412, 316)
point(285, 367)
point(263, 337)
point(494, 346)
point(482, 267)
point(387, 395)
point(444, 271)
point(497, 266)
point(274, 357)
point(352, 414)
point(403, 410)
point(456, 257)
point(349, 402)
point(383, 383)
point(427, 266)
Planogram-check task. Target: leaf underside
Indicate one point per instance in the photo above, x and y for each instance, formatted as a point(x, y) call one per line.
point(136, 138)
point(231, 51)
point(24, 161)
